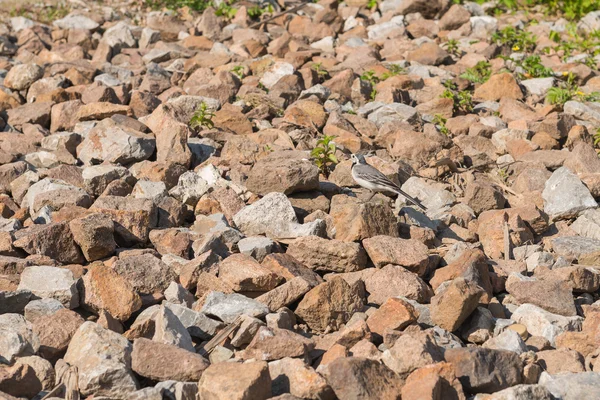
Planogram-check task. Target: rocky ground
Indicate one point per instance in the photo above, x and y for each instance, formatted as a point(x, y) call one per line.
point(178, 218)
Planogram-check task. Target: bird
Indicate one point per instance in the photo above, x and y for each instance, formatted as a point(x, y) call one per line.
point(372, 179)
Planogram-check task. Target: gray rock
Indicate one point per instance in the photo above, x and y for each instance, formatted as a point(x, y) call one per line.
point(9, 224)
point(190, 188)
point(589, 23)
point(565, 196)
point(587, 112)
point(274, 216)
point(257, 247)
point(16, 338)
point(519, 392)
point(14, 302)
point(177, 294)
point(395, 113)
point(483, 27)
point(247, 331)
point(149, 393)
point(107, 80)
point(227, 307)
point(540, 322)
point(390, 29)
point(51, 282)
point(20, 23)
point(572, 386)
point(542, 258)
point(21, 76)
point(173, 390)
point(507, 340)
point(574, 247)
point(202, 149)
point(503, 136)
point(75, 21)
point(103, 361)
point(197, 324)
point(319, 91)
point(433, 196)
point(119, 36)
point(97, 177)
point(155, 191)
point(588, 224)
point(40, 308)
point(168, 329)
point(538, 86)
point(37, 195)
point(275, 72)
point(149, 36)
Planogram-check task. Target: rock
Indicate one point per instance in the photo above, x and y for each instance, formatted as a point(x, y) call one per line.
point(17, 338)
point(540, 322)
point(227, 307)
point(177, 294)
point(274, 216)
point(451, 307)
point(159, 361)
point(575, 247)
point(288, 267)
point(197, 324)
point(429, 53)
point(565, 196)
point(41, 307)
point(95, 236)
point(20, 77)
point(286, 294)
point(482, 196)
point(409, 254)
point(257, 247)
point(499, 86)
point(274, 344)
point(103, 360)
point(551, 295)
point(522, 392)
point(51, 282)
point(282, 173)
point(146, 273)
point(76, 21)
point(55, 331)
point(105, 289)
point(235, 381)
point(56, 193)
point(97, 177)
point(171, 135)
point(392, 280)
point(14, 302)
point(560, 361)
point(290, 375)
point(355, 220)
point(470, 365)
point(244, 274)
point(42, 368)
point(571, 386)
point(411, 351)
point(508, 340)
point(361, 378)
point(430, 381)
point(19, 380)
point(134, 218)
point(395, 314)
point(275, 72)
point(330, 304)
point(169, 330)
point(328, 255)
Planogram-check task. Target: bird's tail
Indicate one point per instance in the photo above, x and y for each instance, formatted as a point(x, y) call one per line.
point(412, 200)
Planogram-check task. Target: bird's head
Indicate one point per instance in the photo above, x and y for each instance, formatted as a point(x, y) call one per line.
point(358, 159)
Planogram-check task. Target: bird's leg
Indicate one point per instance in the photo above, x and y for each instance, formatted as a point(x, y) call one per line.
point(370, 197)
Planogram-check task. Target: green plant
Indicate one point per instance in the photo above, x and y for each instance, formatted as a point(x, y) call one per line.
point(321, 72)
point(516, 40)
point(263, 87)
point(202, 117)
point(392, 70)
point(226, 10)
point(440, 122)
point(480, 73)
point(534, 68)
point(196, 5)
point(239, 71)
point(372, 79)
point(568, 90)
point(371, 4)
point(255, 12)
point(324, 154)
point(463, 100)
point(452, 47)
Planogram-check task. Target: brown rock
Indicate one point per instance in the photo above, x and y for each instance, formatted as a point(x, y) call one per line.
point(410, 254)
point(55, 332)
point(105, 289)
point(19, 380)
point(100, 110)
point(436, 381)
point(33, 113)
point(53, 240)
point(491, 231)
point(274, 344)
point(560, 361)
point(328, 255)
point(450, 308)
point(159, 361)
point(293, 376)
point(454, 18)
point(391, 281)
point(583, 160)
point(171, 135)
point(355, 220)
point(283, 264)
point(472, 365)
point(173, 241)
point(429, 53)
point(498, 87)
point(330, 304)
point(411, 350)
point(286, 294)
point(362, 379)
point(551, 295)
point(394, 314)
point(94, 234)
point(189, 272)
point(244, 274)
point(145, 272)
point(235, 381)
point(483, 196)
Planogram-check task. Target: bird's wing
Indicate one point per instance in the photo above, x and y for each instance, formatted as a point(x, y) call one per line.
point(372, 174)
point(412, 200)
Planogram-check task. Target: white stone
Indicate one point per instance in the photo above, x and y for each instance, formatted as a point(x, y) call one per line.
point(51, 282)
point(73, 21)
point(275, 72)
point(540, 322)
point(565, 196)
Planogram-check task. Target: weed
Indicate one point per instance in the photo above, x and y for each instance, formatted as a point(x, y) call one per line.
point(263, 87)
point(516, 40)
point(440, 123)
point(202, 117)
point(239, 71)
point(324, 154)
point(463, 100)
point(226, 10)
point(372, 79)
point(321, 72)
point(452, 47)
point(255, 12)
point(480, 73)
point(196, 5)
point(371, 4)
point(567, 91)
point(392, 70)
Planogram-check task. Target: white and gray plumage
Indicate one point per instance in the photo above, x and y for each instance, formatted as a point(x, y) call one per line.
point(371, 178)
